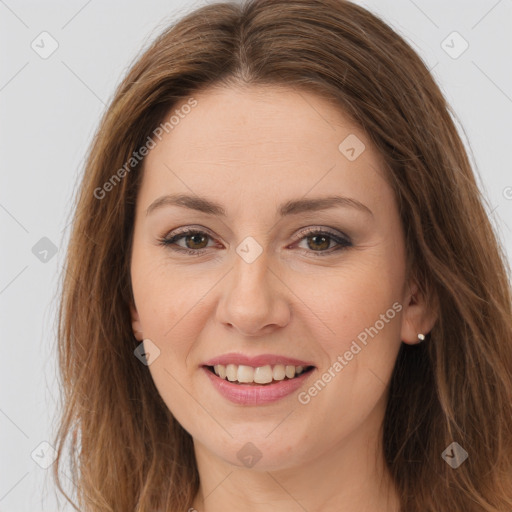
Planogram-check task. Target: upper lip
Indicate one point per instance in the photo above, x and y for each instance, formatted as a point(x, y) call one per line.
point(255, 361)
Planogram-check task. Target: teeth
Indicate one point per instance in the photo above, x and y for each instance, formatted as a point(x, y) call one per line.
point(220, 370)
point(260, 375)
point(245, 373)
point(278, 372)
point(263, 374)
point(231, 372)
point(290, 371)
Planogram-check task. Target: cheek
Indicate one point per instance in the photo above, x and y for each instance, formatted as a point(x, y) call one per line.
point(169, 309)
point(343, 302)
point(166, 294)
point(357, 326)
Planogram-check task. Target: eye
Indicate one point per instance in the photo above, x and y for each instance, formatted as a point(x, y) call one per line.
point(194, 241)
point(317, 241)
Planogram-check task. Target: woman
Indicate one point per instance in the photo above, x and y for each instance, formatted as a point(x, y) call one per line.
point(282, 288)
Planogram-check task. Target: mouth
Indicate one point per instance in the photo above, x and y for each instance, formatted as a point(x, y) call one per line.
point(258, 376)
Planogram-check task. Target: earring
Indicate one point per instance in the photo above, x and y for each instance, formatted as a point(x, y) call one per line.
point(421, 337)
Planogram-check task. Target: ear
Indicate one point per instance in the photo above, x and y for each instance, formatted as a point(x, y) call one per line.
point(418, 317)
point(136, 324)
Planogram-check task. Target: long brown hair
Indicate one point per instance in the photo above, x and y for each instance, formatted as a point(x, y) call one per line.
point(125, 449)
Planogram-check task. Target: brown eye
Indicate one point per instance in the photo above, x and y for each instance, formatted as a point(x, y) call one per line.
point(195, 242)
point(318, 242)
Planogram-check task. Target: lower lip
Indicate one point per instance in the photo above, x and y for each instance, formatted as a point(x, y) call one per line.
point(255, 394)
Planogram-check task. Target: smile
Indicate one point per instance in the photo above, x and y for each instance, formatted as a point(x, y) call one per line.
point(247, 392)
point(243, 374)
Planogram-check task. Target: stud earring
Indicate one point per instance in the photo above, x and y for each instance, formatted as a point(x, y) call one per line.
point(421, 337)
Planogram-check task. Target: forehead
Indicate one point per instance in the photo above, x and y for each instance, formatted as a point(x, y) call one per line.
point(260, 142)
point(249, 121)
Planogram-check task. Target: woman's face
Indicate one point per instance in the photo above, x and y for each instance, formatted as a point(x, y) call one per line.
point(276, 276)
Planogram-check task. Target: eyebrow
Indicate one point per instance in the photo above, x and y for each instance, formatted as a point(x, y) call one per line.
point(292, 207)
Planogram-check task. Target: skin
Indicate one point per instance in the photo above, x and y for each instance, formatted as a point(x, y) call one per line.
point(252, 149)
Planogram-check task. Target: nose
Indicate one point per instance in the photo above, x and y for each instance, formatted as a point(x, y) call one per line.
point(254, 300)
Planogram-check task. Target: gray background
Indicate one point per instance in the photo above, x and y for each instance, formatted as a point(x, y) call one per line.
point(49, 110)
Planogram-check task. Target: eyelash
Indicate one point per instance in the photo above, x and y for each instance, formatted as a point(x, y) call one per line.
point(343, 242)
